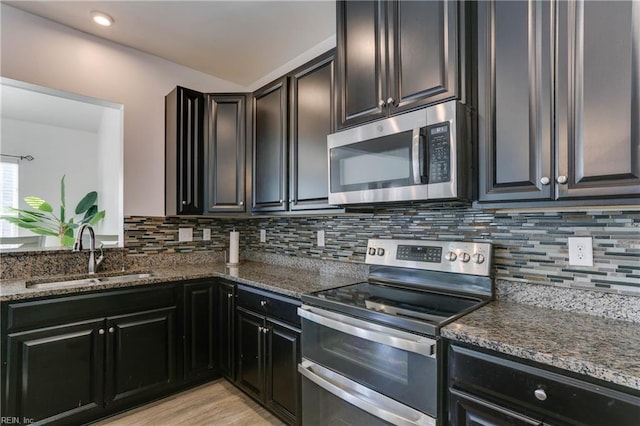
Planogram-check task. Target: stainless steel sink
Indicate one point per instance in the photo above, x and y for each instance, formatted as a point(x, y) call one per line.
point(40, 283)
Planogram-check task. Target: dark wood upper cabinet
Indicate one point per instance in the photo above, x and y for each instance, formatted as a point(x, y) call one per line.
point(515, 92)
point(598, 95)
point(393, 56)
point(558, 105)
point(311, 119)
point(184, 151)
point(226, 153)
point(270, 147)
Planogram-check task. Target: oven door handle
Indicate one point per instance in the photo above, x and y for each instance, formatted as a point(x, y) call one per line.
point(362, 397)
point(376, 333)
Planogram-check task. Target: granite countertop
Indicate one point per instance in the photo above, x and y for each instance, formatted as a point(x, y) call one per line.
point(284, 280)
point(601, 348)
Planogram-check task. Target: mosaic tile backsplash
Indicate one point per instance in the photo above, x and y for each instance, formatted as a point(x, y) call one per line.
point(528, 247)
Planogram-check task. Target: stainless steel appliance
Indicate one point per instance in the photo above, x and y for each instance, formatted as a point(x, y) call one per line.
point(370, 350)
point(420, 155)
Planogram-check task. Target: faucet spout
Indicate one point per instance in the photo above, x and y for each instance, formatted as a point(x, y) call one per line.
point(77, 246)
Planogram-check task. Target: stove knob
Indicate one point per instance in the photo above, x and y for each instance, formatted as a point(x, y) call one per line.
point(451, 256)
point(465, 257)
point(380, 252)
point(372, 251)
point(478, 258)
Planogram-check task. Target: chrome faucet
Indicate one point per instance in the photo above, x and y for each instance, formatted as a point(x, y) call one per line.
point(94, 263)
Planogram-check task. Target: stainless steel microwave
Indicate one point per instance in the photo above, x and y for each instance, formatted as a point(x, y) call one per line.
point(417, 156)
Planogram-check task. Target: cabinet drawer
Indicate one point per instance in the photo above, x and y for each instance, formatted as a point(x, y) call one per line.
point(538, 393)
point(59, 310)
point(269, 304)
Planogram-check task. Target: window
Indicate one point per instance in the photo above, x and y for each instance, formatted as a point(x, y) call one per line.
point(8, 195)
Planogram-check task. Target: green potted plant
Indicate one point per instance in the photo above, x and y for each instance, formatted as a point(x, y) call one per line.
point(43, 221)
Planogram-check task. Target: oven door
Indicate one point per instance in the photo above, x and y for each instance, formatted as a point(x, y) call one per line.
point(396, 364)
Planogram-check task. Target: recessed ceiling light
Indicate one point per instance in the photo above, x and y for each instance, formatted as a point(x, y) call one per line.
point(101, 18)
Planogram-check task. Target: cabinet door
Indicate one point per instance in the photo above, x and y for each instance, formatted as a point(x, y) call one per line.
point(140, 355)
point(515, 60)
point(250, 341)
point(422, 53)
point(311, 120)
point(283, 381)
point(361, 53)
point(225, 329)
point(270, 147)
point(226, 153)
point(199, 322)
point(184, 152)
point(56, 373)
point(598, 99)
point(475, 412)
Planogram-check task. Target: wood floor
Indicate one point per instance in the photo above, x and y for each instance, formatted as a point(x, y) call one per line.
point(216, 403)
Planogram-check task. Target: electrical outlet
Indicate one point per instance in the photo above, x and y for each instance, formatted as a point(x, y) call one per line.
point(206, 234)
point(263, 235)
point(580, 251)
point(320, 238)
point(185, 234)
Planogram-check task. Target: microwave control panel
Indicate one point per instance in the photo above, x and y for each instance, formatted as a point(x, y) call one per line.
point(439, 155)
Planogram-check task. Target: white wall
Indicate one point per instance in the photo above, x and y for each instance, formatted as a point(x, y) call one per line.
point(43, 52)
point(51, 148)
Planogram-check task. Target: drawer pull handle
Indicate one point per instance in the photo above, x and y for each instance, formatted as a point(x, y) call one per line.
point(540, 394)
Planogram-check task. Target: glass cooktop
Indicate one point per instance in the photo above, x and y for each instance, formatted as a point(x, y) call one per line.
point(406, 308)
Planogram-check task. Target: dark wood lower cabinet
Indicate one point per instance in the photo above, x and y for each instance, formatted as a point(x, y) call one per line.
point(141, 352)
point(56, 373)
point(199, 315)
point(282, 394)
point(268, 353)
point(225, 326)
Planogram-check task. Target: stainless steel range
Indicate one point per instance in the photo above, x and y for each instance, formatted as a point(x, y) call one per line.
point(370, 350)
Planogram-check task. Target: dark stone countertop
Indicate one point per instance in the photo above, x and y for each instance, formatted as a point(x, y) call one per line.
point(601, 348)
point(283, 280)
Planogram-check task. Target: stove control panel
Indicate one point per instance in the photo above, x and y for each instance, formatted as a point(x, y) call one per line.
point(446, 256)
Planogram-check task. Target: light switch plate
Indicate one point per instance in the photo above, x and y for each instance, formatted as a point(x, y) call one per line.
point(580, 251)
point(320, 238)
point(185, 234)
point(263, 235)
point(206, 234)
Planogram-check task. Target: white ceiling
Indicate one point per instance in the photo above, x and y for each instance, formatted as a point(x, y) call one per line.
point(238, 41)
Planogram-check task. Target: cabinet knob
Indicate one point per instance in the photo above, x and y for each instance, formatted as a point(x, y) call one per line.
point(265, 330)
point(263, 303)
point(229, 296)
point(101, 331)
point(540, 394)
point(260, 329)
point(544, 180)
point(281, 201)
point(390, 101)
point(184, 203)
point(111, 330)
point(562, 179)
point(381, 103)
point(242, 203)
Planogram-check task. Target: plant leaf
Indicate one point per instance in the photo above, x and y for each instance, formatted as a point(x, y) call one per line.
point(39, 204)
point(88, 201)
point(90, 213)
point(67, 240)
point(62, 197)
point(97, 217)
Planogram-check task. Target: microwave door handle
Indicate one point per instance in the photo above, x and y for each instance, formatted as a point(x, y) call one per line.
point(417, 159)
point(368, 400)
